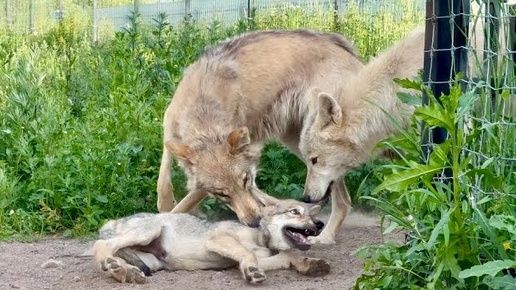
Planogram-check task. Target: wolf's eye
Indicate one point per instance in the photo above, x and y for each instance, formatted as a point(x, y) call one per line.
point(220, 194)
point(294, 211)
point(313, 160)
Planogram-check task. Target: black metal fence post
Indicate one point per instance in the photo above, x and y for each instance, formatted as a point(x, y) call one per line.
point(445, 56)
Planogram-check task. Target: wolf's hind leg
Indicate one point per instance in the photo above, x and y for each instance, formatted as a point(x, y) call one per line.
point(105, 250)
point(229, 247)
point(123, 272)
point(340, 204)
point(292, 260)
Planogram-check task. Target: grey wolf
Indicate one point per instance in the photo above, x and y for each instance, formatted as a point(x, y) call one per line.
point(238, 95)
point(345, 126)
point(131, 248)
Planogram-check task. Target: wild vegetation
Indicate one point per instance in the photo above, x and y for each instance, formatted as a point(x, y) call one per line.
point(80, 133)
point(80, 142)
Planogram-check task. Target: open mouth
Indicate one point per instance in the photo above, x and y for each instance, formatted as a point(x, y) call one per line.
point(299, 237)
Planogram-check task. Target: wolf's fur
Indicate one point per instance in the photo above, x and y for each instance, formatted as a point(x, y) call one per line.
point(131, 248)
point(238, 95)
point(346, 126)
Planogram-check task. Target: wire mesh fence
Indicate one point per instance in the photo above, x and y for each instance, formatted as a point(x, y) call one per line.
point(477, 39)
point(105, 16)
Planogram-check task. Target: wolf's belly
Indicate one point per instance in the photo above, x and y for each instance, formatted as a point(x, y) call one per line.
point(194, 256)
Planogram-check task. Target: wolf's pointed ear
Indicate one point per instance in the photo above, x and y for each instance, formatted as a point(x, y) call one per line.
point(314, 210)
point(181, 151)
point(329, 110)
point(238, 139)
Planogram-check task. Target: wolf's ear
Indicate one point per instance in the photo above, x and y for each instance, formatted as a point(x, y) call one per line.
point(238, 139)
point(329, 111)
point(181, 151)
point(314, 210)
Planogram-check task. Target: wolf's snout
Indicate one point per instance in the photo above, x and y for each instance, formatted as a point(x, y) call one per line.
point(256, 222)
point(319, 225)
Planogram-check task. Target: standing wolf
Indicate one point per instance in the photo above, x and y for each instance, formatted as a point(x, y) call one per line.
point(346, 126)
point(131, 248)
point(235, 97)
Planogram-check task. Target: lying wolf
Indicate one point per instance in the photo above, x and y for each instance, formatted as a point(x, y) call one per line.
point(131, 248)
point(238, 95)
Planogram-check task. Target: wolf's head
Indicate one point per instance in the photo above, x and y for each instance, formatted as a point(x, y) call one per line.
point(328, 148)
point(289, 223)
point(224, 170)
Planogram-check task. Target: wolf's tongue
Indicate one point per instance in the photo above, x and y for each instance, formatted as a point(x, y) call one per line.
point(300, 237)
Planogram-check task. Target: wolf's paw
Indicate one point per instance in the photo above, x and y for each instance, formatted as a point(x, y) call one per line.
point(123, 272)
point(317, 268)
point(254, 275)
point(322, 239)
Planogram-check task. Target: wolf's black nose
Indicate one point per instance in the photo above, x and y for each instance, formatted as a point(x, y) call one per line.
point(319, 225)
point(256, 222)
point(307, 199)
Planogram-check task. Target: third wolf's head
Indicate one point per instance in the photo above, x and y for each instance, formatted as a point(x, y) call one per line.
point(328, 148)
point(289, 223)
point(224, 169)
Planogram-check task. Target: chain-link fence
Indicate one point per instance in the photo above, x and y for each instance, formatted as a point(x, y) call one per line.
point(106, 16)
point(477, 39)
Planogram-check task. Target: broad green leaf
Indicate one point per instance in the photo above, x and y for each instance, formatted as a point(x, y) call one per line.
point(408, 83)
point(409, 99)
point(490, 268)
point(101, 198)
point(445, 217)
point(505, 282)
point(401, 180)
point(434, 115)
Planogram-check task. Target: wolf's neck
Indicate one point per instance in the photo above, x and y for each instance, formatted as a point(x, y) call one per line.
point(283, 117)
point(370, 101)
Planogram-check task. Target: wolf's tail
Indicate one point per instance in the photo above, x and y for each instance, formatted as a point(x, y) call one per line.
point(131, 257)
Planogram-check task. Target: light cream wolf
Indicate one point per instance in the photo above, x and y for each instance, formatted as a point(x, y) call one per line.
point(131, 248)
point(235, 97)
point(346, 126)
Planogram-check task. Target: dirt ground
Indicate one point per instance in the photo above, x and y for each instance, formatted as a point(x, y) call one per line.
point(21, 266)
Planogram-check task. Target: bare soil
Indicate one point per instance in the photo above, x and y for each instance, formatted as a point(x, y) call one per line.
point(20, 266)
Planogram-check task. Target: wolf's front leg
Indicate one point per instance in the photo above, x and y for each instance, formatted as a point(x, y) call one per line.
point(228, 246)
point(189, 202)
point(340, 204)
point(166, 200)
point(292, 260)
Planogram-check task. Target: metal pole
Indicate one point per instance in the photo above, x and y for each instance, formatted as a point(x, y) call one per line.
point(136, 6)
point(445, 56)
point(31, 18)
point(491, 47)
point(512, 35)
point(8, 15)
point(248, 13)
point(61, 10)
point(187, 10)
point(95, 31)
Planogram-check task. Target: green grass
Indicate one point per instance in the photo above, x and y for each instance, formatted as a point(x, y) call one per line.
point(80, 125)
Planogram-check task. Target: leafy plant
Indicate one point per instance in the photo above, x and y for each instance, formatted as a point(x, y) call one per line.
point(445, 219)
